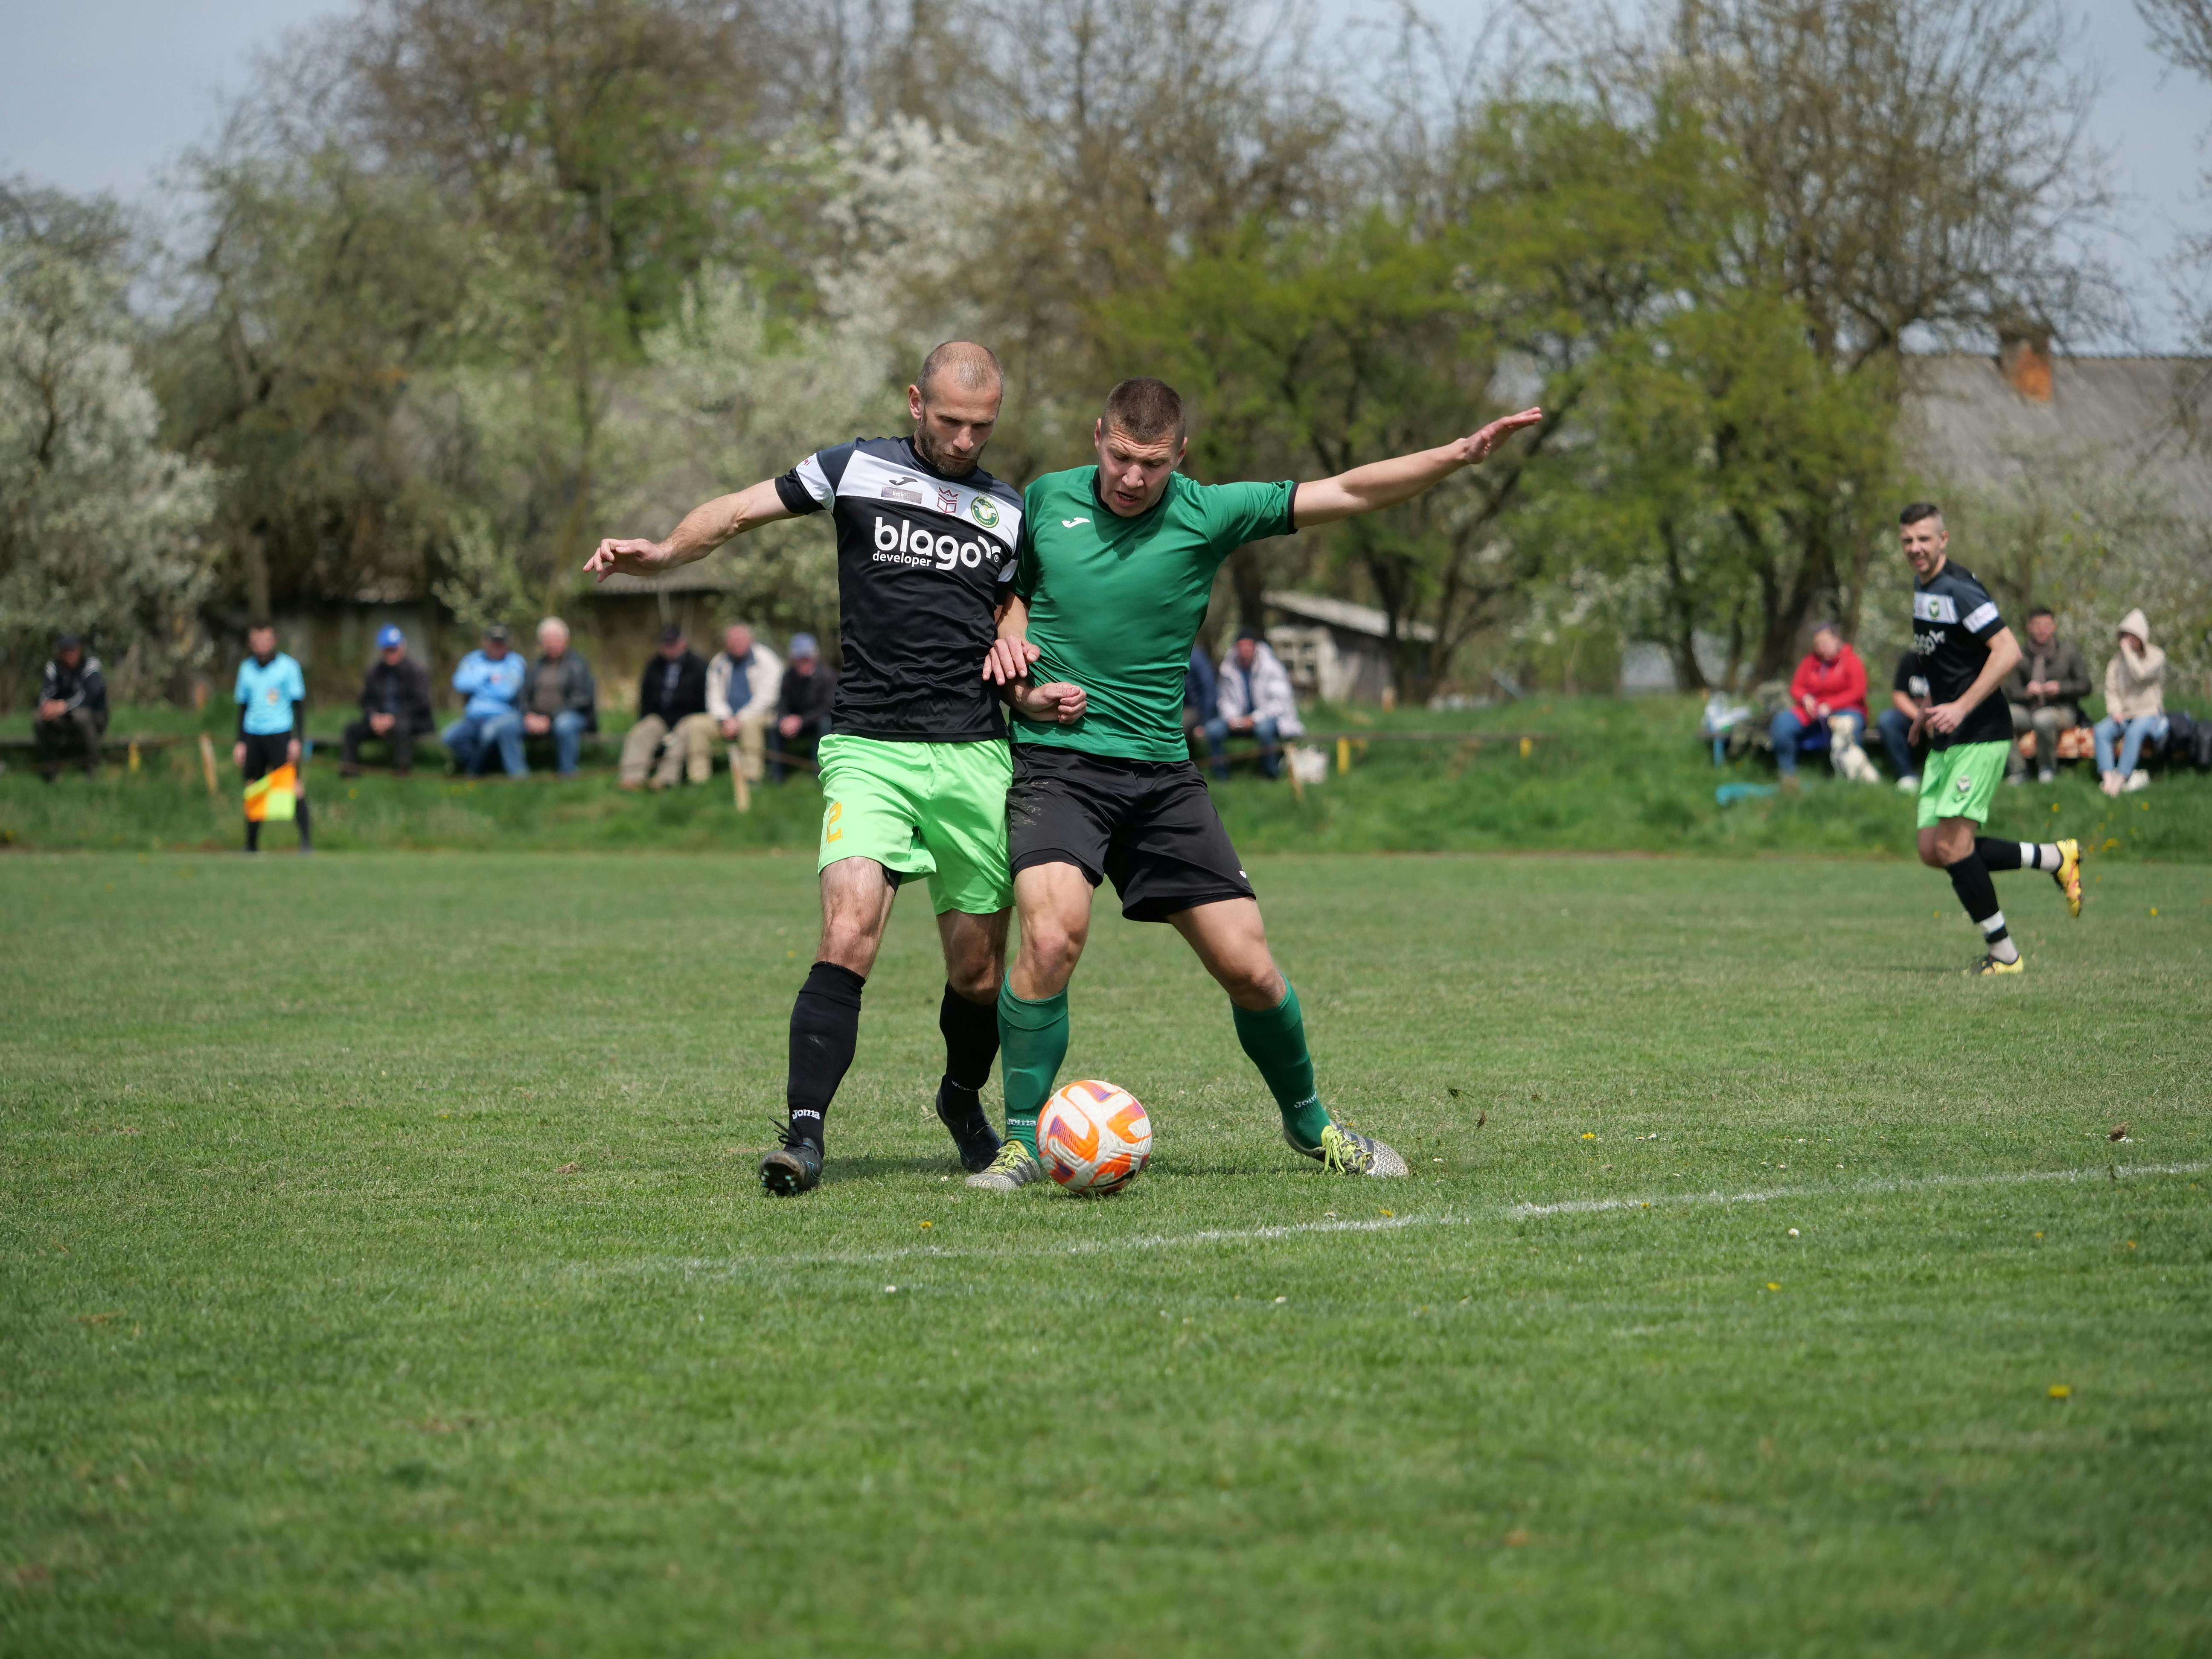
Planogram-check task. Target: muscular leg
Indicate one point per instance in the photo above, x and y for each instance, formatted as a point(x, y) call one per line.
point(1948, 845)
point(826, 1019)
point(967, 1017)
point(1053, 900)
point(1231, 939)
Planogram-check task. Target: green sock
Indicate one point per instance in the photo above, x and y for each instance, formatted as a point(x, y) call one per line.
point(1276, 1041)
point(1032, 1041)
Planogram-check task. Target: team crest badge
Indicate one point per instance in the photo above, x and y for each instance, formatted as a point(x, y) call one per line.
point(984, 511)
point(948, 501)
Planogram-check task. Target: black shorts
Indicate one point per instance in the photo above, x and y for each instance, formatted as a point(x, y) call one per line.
point(264, 752)
point(1150, 825)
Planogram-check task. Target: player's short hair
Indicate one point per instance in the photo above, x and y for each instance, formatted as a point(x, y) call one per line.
point(973, 368)
point(261, 625)
point(1146, 409)
point(1917, 510)
point(2041, 610)
point(1830, 626)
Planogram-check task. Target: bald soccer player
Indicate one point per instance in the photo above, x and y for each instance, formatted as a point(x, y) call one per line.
point(916, 768)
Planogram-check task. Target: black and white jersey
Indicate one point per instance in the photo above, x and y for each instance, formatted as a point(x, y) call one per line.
point(1954, 618)
point(922, 562)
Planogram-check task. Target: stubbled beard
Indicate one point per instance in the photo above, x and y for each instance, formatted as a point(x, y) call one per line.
point(938, 462)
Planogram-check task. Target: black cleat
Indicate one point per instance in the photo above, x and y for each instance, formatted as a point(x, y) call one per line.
point(970, 1130)
point(794, 1167)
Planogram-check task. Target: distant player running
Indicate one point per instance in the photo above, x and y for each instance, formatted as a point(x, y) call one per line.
point(1118, 561)
point(915, 771)
point(1965, 650)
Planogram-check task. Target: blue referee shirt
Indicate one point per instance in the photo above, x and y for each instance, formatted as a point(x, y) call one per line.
point(268, 692)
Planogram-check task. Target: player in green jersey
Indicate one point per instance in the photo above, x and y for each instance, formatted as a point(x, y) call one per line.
point(1117, 563)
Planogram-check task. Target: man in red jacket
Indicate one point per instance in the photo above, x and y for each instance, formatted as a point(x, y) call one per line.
point(1832, 681)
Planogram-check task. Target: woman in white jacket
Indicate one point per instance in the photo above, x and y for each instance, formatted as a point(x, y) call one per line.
point(2134, 705)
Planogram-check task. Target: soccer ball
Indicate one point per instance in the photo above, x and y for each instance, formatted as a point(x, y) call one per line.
point(1094, 1137)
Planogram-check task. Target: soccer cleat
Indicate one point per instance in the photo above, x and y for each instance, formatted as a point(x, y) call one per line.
point(1347, 1152)
point(1014, 1168)
point(2068, 875)
point(794, 1167)
point(1989, 965)
point(971, 1131)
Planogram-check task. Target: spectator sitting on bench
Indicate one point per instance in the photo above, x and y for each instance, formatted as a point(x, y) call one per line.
point(672, 721)
point(395, 706)
point(1831, 682)
point(1202, 696)
point(72, 708)
point(559, 695)
point(2045, 692)
point(1908, 701)
point(1254, 696)
point(741, 683)
point(491, 680)
point(2134, 706)
point(803, 705)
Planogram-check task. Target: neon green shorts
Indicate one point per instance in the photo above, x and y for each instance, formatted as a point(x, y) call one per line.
point(921, 809)
point(1960, 781)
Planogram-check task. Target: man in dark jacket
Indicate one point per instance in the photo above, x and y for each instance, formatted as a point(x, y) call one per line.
point(2045, 692)
point(72, 708)
point(802, 707)
point(395, 706)
point(671, 718)
point(559, 695)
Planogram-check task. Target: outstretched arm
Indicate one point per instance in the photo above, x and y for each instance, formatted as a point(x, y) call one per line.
point(1385, 484)
point(703, 530)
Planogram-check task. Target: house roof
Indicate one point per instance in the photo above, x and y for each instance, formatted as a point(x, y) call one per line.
point(1342, 613)
point(1965, 421)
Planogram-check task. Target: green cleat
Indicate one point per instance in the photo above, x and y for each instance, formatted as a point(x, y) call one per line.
point(1347, 1152)
point(1014, 1168)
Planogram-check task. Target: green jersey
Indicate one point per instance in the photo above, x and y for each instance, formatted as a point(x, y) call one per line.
point(1114, 603)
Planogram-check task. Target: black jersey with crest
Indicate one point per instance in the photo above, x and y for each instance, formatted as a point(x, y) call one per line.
point(922, 562)
point(1954, 618)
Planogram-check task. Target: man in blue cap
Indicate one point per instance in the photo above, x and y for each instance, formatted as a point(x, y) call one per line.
point(395, 706)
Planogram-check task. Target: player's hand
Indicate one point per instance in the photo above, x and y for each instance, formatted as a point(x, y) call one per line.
point(1056, 701)
point(238, 756)
point(635, 557)
point(1945, 717)
point(292, 752)
point(1478, 447)
point(1008, 661)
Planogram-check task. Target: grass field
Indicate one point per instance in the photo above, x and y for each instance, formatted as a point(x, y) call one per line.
point(1607, 775)
point(382, 1272)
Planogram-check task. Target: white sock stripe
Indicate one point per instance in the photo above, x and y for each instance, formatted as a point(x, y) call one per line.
point(1993, 924)
point(2031, 855)
point(735, 1267)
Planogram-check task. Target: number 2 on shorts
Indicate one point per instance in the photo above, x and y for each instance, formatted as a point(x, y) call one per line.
point(829, 830)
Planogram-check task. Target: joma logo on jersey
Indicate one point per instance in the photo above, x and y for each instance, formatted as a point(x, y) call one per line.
point(898, 542)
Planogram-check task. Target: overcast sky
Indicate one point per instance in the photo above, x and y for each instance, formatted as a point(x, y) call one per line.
point(99, 93)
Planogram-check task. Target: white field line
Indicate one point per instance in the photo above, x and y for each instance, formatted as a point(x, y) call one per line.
point(731, 1267)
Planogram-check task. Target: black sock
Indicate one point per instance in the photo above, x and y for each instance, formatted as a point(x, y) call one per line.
point(826, 1029)
point(1970, 879)
point(1996, 854)
point(252, 834)
point(300, 817)
point(972, 1043)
